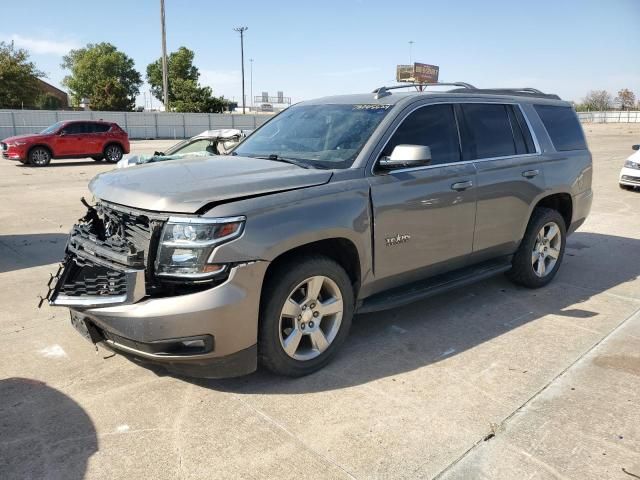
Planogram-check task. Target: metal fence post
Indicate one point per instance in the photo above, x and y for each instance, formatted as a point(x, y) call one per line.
point(13, 123)
point(155, 120)
point(184, 126)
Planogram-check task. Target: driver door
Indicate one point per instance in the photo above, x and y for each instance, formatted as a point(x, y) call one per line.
point(424, 217)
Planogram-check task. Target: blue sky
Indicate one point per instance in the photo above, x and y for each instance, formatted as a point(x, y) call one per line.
point(315, 48)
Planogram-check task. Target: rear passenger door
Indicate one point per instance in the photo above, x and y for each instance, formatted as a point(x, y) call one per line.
point(97, 137)
point(498, 139)
point(423, 216)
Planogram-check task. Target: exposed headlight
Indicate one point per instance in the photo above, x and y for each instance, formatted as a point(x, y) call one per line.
point(187, 243)
point(631, 164)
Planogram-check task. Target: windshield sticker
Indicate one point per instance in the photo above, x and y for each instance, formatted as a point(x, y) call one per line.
point(371, 106)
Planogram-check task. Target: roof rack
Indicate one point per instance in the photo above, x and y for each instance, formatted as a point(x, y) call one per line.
point(468, 88)
point(384, 91)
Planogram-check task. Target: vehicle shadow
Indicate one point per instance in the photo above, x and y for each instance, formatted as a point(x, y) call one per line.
point(388, 343)
point(44, 433)
point(68, 163)
point(30, 250)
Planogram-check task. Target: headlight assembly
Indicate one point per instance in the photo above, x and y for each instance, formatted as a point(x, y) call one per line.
point(630, 164)
point(187, 243)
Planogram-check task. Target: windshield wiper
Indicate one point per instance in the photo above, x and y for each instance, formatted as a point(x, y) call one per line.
point(292, 161)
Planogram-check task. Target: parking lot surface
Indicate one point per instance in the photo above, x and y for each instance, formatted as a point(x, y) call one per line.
point(489, 381)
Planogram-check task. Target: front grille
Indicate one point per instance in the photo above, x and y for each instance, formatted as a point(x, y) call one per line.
point(86, 278)
point(628, 178)
point(5, 155)
point(114, 235)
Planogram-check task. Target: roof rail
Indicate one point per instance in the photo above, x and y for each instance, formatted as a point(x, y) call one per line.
point(384, 91)
point(468, 88)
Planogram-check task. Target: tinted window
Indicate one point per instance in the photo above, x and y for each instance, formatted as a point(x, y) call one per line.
point(489, 130)
point(563, 127)
point(524, 129)
point(433, 126)
point(75, 128)
point(99, 127)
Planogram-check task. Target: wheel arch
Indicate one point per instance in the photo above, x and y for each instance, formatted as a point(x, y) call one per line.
point(41, 145)
point(340, 249)
point(560, 201)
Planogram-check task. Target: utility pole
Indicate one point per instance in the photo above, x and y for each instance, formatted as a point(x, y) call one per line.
point(251, 83)
point(241, 30)
point(411, 42)
point(165, 68)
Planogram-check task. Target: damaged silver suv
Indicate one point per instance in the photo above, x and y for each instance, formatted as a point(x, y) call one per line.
point(336, 206)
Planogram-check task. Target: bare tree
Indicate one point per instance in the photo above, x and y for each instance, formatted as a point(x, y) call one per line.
point(626, 99)
point(597, 100)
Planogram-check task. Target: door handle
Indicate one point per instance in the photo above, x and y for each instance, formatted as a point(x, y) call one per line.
point(459, 186)
point(530, 173)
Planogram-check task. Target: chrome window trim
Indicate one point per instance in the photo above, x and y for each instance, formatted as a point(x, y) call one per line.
point(536, 144)
point(206, 220)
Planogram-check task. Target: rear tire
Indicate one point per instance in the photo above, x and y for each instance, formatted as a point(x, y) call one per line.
point(541, 251)
point(113, 153)
point(39, 157)
point(305, 315)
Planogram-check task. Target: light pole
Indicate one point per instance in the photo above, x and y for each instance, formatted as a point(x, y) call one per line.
point(241, 30)
point(411, 42)
point(251, 83)
point(165, 70)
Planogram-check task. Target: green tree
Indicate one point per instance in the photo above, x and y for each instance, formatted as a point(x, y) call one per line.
point(185, 92)
point(102, 74)
point(18, 77)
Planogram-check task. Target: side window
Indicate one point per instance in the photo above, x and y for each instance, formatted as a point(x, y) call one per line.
point(489, 130)
point(433, 126)
point(99, 127)
point(75, 128)
point(563, 127)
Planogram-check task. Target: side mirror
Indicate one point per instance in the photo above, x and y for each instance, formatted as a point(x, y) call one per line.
point(407, 156)
point(636, 147)
point(62, 133)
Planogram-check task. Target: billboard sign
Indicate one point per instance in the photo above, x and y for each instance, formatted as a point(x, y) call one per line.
point(417, 73)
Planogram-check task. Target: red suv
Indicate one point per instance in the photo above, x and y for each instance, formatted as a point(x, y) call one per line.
point(71, 139)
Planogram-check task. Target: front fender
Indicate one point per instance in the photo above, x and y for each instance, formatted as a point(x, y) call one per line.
point(280, 222)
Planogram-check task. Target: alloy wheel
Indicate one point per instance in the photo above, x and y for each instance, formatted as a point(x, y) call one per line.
point(40, 156)
point(113, 153)
point(310, 318)
point(546, 249)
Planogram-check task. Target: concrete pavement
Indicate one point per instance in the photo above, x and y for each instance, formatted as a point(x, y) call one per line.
point(490, 381)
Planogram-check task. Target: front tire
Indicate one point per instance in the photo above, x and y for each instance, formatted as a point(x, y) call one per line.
point(626, 187)
point(97, 159)
point(39, 157)
point(113, 153)
point(305, 315)
point(541, 251)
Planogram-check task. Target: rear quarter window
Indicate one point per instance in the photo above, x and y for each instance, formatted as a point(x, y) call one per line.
point(562, 126)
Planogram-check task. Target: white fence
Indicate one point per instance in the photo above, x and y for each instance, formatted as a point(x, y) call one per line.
point(137, 124)
point(610, 117)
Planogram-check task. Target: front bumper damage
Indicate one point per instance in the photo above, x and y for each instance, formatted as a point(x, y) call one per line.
point(108, 284)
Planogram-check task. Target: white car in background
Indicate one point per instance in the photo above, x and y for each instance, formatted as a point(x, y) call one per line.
point(630, 173)
point(208, 143)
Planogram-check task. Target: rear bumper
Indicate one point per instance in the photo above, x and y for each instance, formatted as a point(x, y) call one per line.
point(581, 208)
point(228, 313)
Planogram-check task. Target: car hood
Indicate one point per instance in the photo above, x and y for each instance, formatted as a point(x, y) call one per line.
point(31, 136)
point(185, 186)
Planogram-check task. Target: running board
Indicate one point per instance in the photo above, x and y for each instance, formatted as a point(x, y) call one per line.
point(412, 292)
